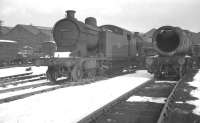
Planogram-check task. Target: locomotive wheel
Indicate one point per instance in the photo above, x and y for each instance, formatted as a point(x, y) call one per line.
point(158, 76)
point(92, 73)
point(51, 75)
point(77, 73)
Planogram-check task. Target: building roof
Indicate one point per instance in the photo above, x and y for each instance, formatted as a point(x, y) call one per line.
point(36, 29)
point(45, 30)
point(29, 28)
point(5, 29)
point(150, 32)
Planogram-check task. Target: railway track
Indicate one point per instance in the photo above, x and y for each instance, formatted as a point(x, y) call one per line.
point(17, 83)
point(11, 66)
point(132, 108)
point(125, 109)
point(36, 89)
point(13, 76)
point(21, 79)
point(42, 88)
point(25, 85)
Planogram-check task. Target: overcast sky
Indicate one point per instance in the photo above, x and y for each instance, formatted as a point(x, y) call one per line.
point(134, 15)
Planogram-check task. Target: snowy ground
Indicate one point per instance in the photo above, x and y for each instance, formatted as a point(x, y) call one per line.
point(69, 105)
point(62, 54)
point(196, 93)
point(21, 70)
point(38, 70)
point(14, 93)
point(146, 99)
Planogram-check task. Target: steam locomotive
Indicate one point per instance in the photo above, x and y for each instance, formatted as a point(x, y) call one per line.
point(94, 50)
point(176, 53)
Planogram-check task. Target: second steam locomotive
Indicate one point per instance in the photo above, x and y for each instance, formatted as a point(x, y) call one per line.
point(176, 54)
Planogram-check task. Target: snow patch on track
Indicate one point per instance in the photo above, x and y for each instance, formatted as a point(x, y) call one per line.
point(12, 71)
point(146, 99)
point(24, 84)
point(195, 93)
point(21, 70)
point(166, 82)
point(9, 94)
point(38, 70)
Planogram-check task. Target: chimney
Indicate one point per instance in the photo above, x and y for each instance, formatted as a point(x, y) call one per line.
point(91, 21)
point(70, 14)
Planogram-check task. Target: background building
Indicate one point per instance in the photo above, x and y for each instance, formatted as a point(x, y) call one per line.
point(27, 35)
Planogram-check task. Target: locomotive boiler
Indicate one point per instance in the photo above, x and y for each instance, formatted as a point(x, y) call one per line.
point(175, 57)
point(94, 49)
point(70, 34)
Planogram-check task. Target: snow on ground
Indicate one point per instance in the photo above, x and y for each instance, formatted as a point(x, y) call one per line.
point(9, 94)
point(165, 82)
point(62, 54)
point(10, 41)
point(69, 105)
point(38, 70)
point(195, 93)
point(12, 71)
point(24, 84)
point(146, 99)
point(135, 98)
point(20, 70)
point(179, 102)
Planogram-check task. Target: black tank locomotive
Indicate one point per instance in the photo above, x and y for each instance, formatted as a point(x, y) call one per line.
point(94, 50)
